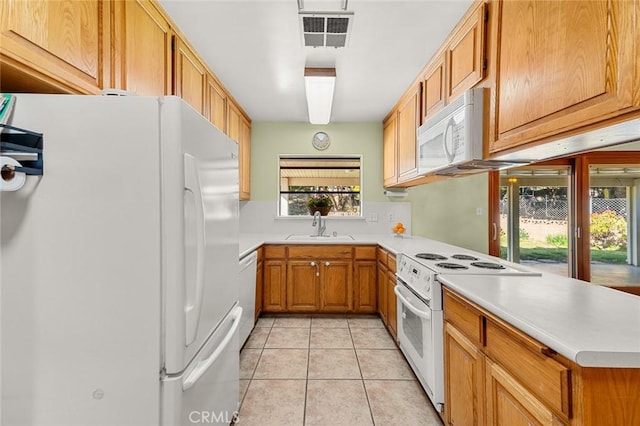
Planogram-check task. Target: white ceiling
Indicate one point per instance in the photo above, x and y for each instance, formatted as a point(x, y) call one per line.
point(255, 48)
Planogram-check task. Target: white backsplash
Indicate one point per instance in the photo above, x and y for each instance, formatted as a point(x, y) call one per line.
point(259, 217)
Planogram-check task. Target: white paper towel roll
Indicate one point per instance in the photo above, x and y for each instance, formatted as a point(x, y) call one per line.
point(11, 181)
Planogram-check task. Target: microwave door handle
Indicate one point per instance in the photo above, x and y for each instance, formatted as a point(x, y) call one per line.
point(448, 154)
point(405, 302)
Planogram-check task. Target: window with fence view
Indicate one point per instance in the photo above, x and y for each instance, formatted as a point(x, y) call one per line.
point(331, 185)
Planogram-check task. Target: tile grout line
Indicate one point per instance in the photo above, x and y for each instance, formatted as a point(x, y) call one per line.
point(306, 381)
point(366, 394)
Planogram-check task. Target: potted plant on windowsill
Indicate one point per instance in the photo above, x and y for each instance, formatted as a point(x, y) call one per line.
point(321, 203)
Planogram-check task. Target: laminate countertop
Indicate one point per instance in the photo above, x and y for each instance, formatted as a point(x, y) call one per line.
point(592, 325)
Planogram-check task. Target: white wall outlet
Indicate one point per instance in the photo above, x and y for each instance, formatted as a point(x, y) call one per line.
point(390, 217)
point(372, 217)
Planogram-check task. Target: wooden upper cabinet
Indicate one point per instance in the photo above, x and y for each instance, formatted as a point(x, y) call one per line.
point(239, 130)
point(408, 122)
point(244, 155)
point(465, 54)
point(217, 102)
point(389, 150)
point(142, 48)
point(55, 46)
point(433, 87)
point(189, 75)
point(562, 65)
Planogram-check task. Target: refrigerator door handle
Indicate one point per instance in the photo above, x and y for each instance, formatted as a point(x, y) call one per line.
point(195, 290)
point(204, 365)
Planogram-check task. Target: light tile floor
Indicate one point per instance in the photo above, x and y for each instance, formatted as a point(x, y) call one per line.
point(328, 371)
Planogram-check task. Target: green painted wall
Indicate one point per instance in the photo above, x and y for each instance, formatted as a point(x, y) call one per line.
point(447, 211)
point(270, 139)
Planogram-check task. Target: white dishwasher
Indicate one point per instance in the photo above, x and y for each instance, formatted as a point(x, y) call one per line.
point(247, 292)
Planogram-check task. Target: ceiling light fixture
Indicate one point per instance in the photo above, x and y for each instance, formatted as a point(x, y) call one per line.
point(318, 85)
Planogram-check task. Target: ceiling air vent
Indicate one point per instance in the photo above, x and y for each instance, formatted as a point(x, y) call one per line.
point(325, 29)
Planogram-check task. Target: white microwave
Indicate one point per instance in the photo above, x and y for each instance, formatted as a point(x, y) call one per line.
point(453, 136)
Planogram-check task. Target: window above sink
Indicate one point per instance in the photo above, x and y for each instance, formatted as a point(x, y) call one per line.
point(302, 178)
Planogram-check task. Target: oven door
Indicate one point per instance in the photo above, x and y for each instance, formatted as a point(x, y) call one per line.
point(420, 337)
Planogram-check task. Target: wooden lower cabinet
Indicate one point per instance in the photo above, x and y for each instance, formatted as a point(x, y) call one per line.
point(383, 310)
point(364, 283)
point(510, 403)
point(497, 375)
point(336, 286)
point(303, 293)
point(274, 294)
point(464, 377)
point(259, 285)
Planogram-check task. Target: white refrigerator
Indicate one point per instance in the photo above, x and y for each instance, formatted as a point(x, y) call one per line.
point(119, 267)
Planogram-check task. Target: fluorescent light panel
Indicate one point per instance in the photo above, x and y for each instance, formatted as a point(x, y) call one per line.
point(318, 85)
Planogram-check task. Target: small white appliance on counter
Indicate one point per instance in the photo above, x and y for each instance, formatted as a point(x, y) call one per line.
point(420, 316)
point(119, 267)
point(451, 142)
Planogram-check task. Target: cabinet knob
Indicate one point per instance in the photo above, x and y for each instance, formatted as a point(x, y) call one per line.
point(313, 263)
point(327, 263)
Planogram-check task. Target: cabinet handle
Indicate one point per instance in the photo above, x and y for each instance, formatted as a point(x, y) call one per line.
point(313, 263)
point(495, 231)
point(327, 263)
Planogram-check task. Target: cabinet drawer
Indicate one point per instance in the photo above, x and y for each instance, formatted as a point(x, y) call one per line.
point(320, 252)
point(382, 256)
point(274, 252)
point(391, 263)
point(365, 252)
point(466, 318)
point(528, 361)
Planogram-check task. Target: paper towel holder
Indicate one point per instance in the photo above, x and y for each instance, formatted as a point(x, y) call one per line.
point(20, 143)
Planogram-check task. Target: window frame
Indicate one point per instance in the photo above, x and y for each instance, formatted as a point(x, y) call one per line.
point(354, 157)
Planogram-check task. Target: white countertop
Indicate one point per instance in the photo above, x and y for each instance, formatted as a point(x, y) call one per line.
point(395, 245)
point(591, 325)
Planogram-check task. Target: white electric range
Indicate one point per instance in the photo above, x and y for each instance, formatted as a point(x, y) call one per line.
point(420, 319)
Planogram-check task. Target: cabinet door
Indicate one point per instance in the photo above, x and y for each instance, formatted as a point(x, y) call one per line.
point(557, 72)
point(392, 304)
point(143, 49)
point(408, 122)
point(433, 87)
point(190, 76)
point(244, 156)
point(466, 54)
point(217, 103)
point(64, 44)
point(274, 296)
point(303, 277)
point(239, 130)
point(259, 288)
point(364, 279)
point(382, 292)
point(464, 379)
point(510, 403)
point(233, 121)
point(336, 286)
point(389, 151)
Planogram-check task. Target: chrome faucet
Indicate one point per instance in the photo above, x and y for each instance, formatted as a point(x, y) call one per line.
point(317, 221)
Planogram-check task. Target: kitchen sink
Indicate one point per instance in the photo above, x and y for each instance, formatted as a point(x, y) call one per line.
point(326, 238)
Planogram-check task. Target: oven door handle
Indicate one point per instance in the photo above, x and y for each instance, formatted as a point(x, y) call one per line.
point(405, 302)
